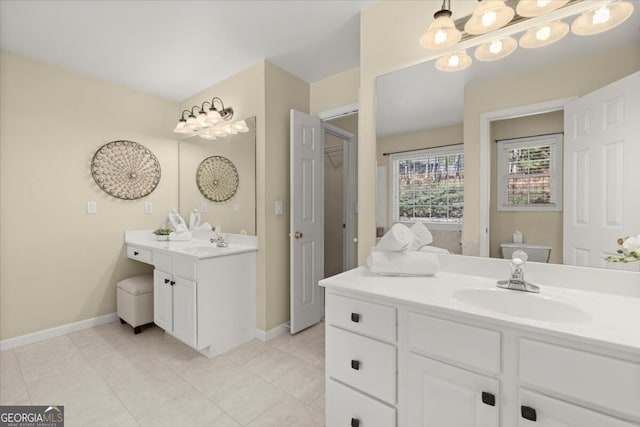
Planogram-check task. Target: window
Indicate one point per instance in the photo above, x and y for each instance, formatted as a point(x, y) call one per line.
point(428, 185)
point(530, 174)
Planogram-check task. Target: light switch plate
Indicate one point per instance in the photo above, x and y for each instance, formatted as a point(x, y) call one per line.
point(279, 207)
point(203, 208)
point(92, 208)
point(148, 207)
point(236, 207)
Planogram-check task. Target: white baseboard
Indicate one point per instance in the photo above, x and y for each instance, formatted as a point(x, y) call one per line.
point(10, 343)
point(272, 333)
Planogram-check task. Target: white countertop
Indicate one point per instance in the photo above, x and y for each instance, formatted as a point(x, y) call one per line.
point(612, 320)
point(199, 247)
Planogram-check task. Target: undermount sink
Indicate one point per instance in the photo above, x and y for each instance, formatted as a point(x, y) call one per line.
point(521, 304)
point(201, 251)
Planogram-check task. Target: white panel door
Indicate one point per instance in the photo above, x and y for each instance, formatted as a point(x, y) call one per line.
point(601, 172)
point(307, 221)
point(162, 300)
point(441, 395)
point(184, 310)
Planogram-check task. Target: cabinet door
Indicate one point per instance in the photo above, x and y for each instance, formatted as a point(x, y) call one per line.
point(184, 310)
point(441, 395)
point(162, 300)
point(537, 410)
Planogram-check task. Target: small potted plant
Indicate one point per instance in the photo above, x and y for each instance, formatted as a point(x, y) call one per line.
point(162, 233)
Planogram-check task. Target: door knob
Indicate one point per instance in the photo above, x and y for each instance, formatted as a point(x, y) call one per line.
point(298, 235)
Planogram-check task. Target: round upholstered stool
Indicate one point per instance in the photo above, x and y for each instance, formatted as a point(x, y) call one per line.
point(135, 301)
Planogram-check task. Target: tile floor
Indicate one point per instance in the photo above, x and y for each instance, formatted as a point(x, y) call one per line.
point(107, 376)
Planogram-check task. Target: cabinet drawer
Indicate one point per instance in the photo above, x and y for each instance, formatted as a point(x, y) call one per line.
point(346, 407)
point(554, 412)
point(456, 342)
point(363, 363)
point(163, 262)
point(598, 380)
point(144, 255)
point(185, 268)
point(375, 320)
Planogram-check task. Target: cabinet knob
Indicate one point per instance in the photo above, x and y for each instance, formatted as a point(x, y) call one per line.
point(135, 253)
point(355, 317)
point(355, 364)
point(173, 283)
point(488, 398)
point(528, 413)
point(355, 422)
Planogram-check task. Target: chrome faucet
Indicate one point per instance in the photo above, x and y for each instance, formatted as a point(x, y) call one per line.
point(219, 241)
point(516, 279)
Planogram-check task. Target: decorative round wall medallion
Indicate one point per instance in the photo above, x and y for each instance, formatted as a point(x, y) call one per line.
point(125, 169)
point(217, 178)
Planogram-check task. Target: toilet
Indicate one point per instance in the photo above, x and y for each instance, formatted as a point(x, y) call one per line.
point(536, 253)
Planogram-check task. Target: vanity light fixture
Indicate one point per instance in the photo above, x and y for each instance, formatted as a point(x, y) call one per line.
point(442, 33)
point(210, 123)
point(454, 62)
point(496, 49)
point(531, 8)
point(544, 35)
point(602, 18)
point(488, 15)
point(491, 15)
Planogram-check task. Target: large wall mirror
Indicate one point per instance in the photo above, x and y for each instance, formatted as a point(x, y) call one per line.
point(422, 108)
point(227, 156)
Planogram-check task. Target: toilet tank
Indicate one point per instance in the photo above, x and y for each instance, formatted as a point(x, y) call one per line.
point(536, 253)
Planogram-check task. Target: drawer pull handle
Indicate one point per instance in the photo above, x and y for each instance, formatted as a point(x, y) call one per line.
point(528, 413)
point(135, 253)
point(355, 364)
point(355, 422)
point(166, 280)
point(173, 283)
point(355, 317)
point(488, 399)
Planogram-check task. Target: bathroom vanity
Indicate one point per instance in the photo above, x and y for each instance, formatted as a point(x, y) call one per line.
point(203, 295)
point(455, 350)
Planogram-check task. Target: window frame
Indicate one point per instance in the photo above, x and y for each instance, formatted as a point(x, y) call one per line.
point(555, 141)
point(394, 182)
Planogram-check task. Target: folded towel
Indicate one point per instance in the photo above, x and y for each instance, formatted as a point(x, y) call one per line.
point(180, 237)
point(421, 236)
point(397, 239)
point(205, 227)
point(433, 249)
point(403, 263)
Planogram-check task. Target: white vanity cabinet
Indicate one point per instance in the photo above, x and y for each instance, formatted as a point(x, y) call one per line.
point(206, 301)
point(441, 367)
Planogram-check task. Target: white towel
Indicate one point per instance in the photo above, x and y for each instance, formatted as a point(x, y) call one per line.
point(421, 236)
point(397, 239)
point(433, 249)
point(403, 263)
point(205, 227)
point(180, 237)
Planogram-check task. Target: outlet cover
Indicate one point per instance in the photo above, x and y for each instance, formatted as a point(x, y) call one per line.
point(148, 207)
point(203, 208)
point(92, 208)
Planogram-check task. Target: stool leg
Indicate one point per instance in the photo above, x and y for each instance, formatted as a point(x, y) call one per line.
point(137, 330)
point(122, 322)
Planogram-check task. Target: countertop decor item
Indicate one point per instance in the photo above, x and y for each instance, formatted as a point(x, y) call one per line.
point(125, 169)
point(217, 178)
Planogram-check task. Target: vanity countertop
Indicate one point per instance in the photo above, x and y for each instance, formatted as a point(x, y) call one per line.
point(200, 247)
point(609, 319)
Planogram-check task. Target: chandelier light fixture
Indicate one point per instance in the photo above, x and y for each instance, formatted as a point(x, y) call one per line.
point(210, 123)
point(492, 15)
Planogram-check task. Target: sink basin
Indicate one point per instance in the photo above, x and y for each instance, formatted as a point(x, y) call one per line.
point(203, 251)
point(522, 304)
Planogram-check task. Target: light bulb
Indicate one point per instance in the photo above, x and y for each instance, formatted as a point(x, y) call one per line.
point(495, 47)
point(454, 61)
point(488, 18)
point(543, 33)
point(440, 37)
point(601, 16)
point(543, 3)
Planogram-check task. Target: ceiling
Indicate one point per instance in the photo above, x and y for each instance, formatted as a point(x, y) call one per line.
point(175, 49)
point(421, 97)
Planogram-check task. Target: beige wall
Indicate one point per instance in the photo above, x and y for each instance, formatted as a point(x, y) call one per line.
point(283, 92)
point(335, 91)
point(537, 227)
point(59, 265)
